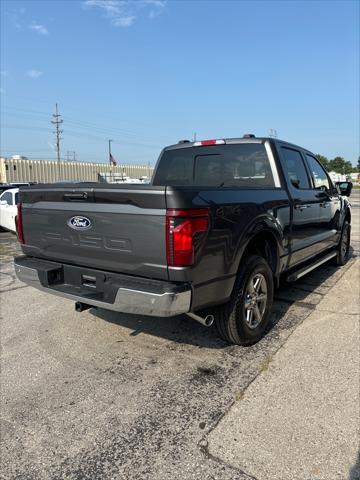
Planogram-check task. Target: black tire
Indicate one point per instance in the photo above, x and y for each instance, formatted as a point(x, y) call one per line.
point(232, 319)
point(343, 251)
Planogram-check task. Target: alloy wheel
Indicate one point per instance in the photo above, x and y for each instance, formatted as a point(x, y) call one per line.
point(255, 300)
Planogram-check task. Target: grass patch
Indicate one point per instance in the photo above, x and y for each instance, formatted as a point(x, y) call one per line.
point(239, 396)
point(265, 365)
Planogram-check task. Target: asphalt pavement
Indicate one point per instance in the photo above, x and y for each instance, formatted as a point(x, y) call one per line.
point(101, 395)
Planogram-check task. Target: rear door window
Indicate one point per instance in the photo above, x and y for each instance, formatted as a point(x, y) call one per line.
point(242, 165)
point(295, 168)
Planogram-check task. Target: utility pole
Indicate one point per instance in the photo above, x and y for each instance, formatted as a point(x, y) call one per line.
point(74, 156)
point(57, 122)
point(194, 137)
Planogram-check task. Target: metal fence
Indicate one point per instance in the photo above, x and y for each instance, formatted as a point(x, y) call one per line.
point(19, 170)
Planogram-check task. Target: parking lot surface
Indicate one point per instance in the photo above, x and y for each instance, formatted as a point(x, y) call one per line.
point(300, 418)
point(101, 395)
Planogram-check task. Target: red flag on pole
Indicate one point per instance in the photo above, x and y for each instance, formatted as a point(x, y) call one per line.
point(112, 160)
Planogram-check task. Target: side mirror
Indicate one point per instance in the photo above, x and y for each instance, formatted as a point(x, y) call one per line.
point(3, 202)
point(344, 188)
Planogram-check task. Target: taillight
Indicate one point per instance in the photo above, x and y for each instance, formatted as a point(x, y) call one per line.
point(185, 234)
point(19, 224)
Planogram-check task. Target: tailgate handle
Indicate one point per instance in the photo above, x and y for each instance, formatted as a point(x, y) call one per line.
point(76, 196)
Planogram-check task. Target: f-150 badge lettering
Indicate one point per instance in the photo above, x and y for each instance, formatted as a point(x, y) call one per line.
point(79, 223)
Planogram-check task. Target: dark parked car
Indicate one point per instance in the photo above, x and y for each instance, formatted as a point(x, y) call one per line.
point(210, 237)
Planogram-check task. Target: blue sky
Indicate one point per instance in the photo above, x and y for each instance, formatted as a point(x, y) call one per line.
point(148, 73)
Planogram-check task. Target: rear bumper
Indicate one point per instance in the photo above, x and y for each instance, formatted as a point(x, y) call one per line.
point(121, 293)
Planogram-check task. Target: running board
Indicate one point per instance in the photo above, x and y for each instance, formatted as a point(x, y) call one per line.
point(300, 273)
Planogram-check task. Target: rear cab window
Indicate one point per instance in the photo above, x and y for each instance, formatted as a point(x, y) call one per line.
point(232, 165)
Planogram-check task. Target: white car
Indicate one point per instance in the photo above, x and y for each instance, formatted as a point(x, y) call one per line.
point(8, 208)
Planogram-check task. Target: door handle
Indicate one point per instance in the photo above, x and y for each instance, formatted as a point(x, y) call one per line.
point(324, 204)
point(301, 207)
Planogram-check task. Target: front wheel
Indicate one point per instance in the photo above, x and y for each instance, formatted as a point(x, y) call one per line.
point(243, 320)
point(343, 251)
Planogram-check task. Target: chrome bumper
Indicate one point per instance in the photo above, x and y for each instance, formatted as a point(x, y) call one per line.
point(127, 300)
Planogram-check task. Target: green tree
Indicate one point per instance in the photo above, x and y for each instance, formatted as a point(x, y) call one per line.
point(323, 160)
point(358, 165)
point(340, 165)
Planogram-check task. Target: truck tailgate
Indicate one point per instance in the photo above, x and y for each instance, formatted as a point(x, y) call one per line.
point(119, 228)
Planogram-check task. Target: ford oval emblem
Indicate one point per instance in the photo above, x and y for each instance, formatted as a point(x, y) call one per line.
point(79, 223)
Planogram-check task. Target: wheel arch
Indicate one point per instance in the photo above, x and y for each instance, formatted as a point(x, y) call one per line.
point(348, 215)
point(265, 243)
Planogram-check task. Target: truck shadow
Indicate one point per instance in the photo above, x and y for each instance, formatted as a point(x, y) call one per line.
point(292, 304)
point(355, 471)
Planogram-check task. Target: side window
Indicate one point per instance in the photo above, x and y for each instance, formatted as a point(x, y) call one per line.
point(8, 197)
point(295, 168)
point(318, 173)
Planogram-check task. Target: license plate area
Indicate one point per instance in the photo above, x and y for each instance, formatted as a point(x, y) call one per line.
point(88, 281)
point(84, 278)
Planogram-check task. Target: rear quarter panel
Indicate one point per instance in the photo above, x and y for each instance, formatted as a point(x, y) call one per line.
point(236, 216)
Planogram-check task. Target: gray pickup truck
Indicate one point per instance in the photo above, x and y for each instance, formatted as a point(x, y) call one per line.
point(221, 222)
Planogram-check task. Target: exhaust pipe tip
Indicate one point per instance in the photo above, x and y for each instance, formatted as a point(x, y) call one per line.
point(209, 320)
point(206, 321)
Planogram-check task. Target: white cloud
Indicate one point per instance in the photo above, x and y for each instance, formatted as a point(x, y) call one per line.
point(124, 21)
point(34, 73)
point(123, 13)
point(40, 29)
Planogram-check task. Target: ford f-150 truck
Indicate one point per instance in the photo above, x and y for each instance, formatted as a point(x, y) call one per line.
point(221, 222)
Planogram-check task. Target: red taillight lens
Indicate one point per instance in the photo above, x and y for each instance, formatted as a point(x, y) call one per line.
point(185, 234)
point(19, 224)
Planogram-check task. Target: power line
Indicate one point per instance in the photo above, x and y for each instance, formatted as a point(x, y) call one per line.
point(106, 129)
point(73, 133)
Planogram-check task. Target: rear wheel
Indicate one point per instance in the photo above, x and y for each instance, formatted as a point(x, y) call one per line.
point(243, 320)
point(343, 252)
